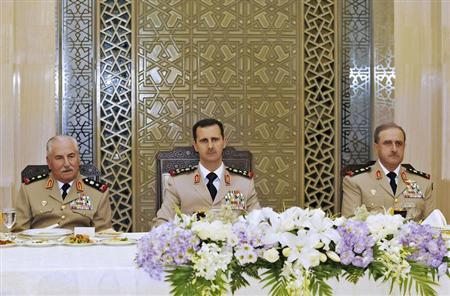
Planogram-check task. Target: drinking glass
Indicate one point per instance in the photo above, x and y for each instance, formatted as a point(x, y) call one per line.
point(9, 219)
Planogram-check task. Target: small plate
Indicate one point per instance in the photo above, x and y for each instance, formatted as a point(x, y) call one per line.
point(118, 242)
point(108, 234)
point(46, 234)
point(39, 243)
point(66, 243)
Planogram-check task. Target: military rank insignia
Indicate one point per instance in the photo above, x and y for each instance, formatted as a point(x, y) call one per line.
point(83, 202)
point(245, 173)
point(27, 181)
point(99, 186)
point(180, 171)
point(235, 200)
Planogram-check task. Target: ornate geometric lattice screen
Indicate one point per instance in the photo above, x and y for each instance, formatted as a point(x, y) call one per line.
point(239, 61)
point(76, 75)
point(320, 124)
point(356, 82)
point(115, 105)
point(266, 68)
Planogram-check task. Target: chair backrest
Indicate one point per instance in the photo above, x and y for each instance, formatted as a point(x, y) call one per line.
point(88, 170)
point(181, 157)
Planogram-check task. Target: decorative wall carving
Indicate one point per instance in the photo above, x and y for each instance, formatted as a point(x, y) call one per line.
point(320, 108)
point(115, 107)
point(77, 78)
point(383, 56)
point(238, 61)
point(356, 109)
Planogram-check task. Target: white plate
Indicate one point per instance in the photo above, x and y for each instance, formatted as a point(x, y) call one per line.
point(46, 234)
point(39, 243)
point(78, 245)
point(118, 242)
point(108, 234)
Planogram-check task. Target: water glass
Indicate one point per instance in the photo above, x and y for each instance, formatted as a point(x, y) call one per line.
point(9, 219)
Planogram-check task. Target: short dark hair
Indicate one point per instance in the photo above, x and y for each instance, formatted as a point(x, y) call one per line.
point(205, 123)
point(385, 126)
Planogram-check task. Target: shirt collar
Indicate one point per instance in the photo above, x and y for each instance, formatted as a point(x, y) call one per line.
point(204, 171)
point(60, 184)
point(386, 171)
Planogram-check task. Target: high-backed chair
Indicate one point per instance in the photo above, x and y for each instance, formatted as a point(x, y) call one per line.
point(88, 170)
point(181, 157)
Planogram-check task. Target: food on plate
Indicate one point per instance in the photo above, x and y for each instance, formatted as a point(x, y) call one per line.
point(5, 242)
point(79, 239)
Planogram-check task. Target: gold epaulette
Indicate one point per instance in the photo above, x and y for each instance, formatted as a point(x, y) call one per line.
point(33, 179)
point(182, 170)
point(97, 185)
point(245, 173)
point(412, 170)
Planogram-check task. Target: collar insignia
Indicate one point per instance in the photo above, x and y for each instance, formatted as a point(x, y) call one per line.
point(404, 177)
point(197, 178)
point(79, 186)
point(49, 183)
point(227, 179)
point(378, 174)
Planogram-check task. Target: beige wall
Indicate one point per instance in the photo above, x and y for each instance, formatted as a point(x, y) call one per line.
point(27, 85)
point(422, 98)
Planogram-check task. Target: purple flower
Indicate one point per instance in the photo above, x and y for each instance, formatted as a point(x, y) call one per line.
point(355, 246)
point(166, 244)
point(426, 244)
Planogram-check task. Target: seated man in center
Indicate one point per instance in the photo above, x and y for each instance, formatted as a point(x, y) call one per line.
point(201, 188)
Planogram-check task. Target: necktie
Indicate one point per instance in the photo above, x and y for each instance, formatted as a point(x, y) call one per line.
point(392, 176)
point(65, 189)
point(212, 189)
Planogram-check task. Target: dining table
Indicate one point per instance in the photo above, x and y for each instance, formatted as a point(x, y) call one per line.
point(103, 269)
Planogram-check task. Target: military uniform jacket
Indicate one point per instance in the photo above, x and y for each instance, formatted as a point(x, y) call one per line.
point(189, 193)
point(371, 188)
point(40, 204)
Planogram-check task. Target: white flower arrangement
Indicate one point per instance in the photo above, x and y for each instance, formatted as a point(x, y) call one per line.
point(293, 252)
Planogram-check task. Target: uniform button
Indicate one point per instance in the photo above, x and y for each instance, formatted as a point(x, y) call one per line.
point(396, 200)
point(63, 217)
point(63, 207)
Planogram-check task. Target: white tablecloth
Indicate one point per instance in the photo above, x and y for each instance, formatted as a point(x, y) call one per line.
point(111, 270)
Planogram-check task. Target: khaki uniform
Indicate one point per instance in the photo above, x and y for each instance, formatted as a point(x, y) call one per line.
point(189, 193)
point(40, 204)
point(370, 186)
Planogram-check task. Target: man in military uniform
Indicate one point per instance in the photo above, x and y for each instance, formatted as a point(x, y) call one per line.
point(386, 184)
point(62, 197)
point(211, 184)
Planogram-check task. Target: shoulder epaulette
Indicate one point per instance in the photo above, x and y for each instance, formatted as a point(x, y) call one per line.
point(180, 171)
point(99, 186)
point(27, 181)
point(412, 170)
point(358, 171)
point(245, 173)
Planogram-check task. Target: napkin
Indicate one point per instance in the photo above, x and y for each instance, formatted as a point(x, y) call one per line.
point(435, 219)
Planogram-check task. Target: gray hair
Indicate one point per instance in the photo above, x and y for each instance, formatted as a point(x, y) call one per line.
point(59, 138)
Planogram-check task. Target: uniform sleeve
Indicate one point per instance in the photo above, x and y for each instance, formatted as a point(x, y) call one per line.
point(252, 198)
point(102, 218)
point(430, 200)
point(171, 201)
point(352, 197)
point(23, 210)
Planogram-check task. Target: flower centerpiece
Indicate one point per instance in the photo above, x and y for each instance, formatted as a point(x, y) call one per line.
point(292, 253)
